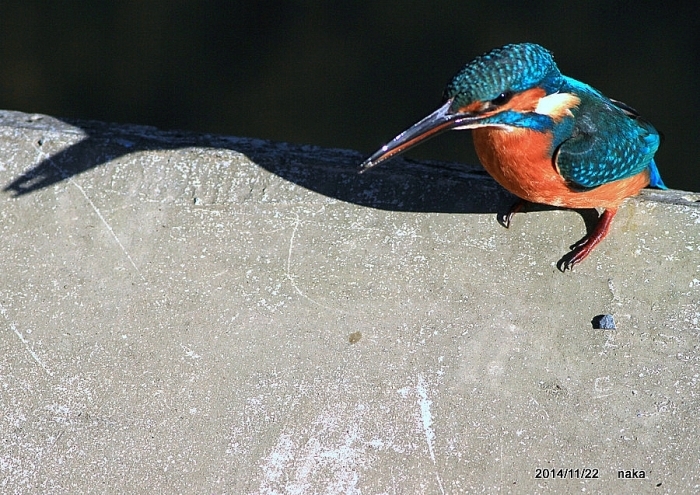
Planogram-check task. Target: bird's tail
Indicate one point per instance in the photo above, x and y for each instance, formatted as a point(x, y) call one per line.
point(655, 177)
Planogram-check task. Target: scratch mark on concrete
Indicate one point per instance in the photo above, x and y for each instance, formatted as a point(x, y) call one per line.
point(66, 176)
point(27, 346)
point(602, 385)
point(427, 423)
point(545, 414)
point(289, 274)
point(216, 275)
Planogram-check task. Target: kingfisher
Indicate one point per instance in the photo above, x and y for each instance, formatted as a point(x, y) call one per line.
point(545, 137)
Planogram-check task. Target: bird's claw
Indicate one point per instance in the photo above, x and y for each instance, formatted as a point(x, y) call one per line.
point(573, 258)
point(518, 206)
point(584, 247)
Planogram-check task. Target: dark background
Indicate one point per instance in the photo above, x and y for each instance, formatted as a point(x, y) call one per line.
point(339, 73)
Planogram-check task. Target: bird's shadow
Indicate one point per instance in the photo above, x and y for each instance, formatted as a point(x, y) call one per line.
point(400, 185)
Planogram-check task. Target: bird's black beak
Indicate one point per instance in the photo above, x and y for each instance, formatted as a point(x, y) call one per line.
point(441, 120)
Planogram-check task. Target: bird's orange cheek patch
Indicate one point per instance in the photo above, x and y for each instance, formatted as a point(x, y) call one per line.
point(521, 102)
point(526, 101)
point(474, 107)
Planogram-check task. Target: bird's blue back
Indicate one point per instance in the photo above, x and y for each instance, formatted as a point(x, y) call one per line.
point(607, 141)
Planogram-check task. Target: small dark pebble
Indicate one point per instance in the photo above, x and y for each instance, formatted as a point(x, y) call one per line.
point(355, 337)
point(604, 322)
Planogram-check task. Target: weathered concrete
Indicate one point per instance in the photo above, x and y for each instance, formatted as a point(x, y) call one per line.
point(200, 314)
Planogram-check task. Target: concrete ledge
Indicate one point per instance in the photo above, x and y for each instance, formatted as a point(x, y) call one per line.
point(189, 313)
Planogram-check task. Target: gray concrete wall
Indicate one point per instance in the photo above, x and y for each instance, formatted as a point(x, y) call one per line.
point(203, 314)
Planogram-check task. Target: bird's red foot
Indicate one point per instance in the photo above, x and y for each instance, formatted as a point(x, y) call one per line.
point(518, 206)
point(583, 248)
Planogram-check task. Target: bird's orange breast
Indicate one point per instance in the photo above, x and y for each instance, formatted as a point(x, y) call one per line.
point(520, 160)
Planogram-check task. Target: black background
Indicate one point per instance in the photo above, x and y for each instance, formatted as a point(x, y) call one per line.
point(339, 74)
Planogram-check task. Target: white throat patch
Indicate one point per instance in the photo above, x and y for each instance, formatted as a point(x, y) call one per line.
point(557, 105)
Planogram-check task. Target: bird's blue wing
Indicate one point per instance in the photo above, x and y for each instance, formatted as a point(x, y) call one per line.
point(609, 142)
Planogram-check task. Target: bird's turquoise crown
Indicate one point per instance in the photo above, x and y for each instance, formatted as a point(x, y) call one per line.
point(511, 68)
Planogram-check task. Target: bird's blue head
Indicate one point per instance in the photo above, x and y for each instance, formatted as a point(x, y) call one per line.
point(503, 71)
point(512, 86)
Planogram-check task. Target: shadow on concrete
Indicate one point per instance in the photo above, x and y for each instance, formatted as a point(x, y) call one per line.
point(399, 185)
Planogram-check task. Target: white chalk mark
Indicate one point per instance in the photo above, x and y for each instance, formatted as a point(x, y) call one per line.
point(277, 461)
point(68, 178)
point(26, 343)
point(189, 352)
point(425, 415)
point(288, 272)
point(427, 421)
point(500, 446)
point(296, 467)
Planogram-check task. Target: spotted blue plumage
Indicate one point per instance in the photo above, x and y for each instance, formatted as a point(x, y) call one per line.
point(608, 141)
point(510, 68)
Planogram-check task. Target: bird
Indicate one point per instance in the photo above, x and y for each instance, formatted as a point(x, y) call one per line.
point(545, 137)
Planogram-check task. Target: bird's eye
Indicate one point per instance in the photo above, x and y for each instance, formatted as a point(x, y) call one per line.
point(503, 98)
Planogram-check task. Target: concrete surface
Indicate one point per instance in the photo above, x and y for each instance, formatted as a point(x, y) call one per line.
point(202, 314)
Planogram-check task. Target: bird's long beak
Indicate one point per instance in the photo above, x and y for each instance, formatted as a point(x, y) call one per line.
point(439, 121)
